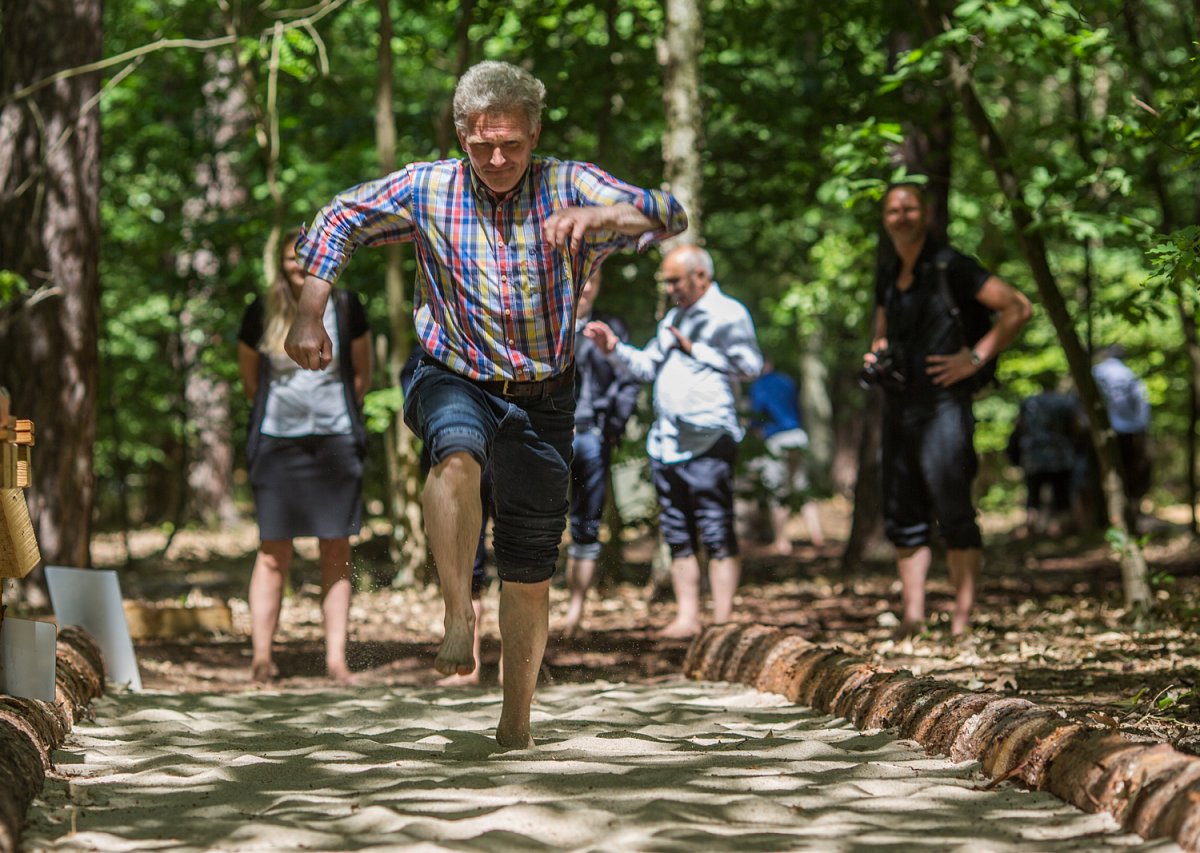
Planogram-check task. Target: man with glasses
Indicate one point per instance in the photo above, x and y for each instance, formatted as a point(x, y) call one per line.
point(704, 348)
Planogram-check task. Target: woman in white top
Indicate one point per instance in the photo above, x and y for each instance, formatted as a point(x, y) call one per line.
point(305, 451)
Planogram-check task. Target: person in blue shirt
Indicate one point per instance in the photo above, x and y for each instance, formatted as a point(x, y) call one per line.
point(775, 407)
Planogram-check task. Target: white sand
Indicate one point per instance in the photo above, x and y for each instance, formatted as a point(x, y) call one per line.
point(674, 766)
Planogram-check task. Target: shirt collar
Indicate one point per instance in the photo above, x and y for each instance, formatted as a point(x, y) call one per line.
point(485, 193)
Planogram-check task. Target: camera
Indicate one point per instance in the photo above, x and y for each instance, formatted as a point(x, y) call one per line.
point(884, 372)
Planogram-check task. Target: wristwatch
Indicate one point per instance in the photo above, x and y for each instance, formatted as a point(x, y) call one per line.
point(976, 358)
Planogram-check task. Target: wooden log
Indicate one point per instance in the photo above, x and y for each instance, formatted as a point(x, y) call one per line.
point(1150, 788)
point(147, 621)
point(18, 546)
point(30, 730)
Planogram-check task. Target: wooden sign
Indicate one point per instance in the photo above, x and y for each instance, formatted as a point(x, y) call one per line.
point(18, 546)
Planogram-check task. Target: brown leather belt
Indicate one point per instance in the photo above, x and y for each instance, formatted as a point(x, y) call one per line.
point(515, 389)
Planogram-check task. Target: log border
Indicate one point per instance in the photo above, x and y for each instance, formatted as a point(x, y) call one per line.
point(31, 729)
point(1151, 788)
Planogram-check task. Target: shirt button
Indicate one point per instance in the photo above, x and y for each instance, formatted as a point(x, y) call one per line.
point(507, 312)
point(511, 342)
point(504, 279)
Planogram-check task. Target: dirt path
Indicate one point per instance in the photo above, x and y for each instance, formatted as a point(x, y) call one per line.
point(668, 765)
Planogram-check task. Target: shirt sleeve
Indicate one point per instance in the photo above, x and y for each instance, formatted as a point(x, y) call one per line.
point(733, 349)
point(251, 330)
point(594, 186)
point(370, 214)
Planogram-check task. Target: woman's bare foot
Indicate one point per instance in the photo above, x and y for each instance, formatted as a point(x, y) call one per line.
point(679, 630)
point(907, 630)
point(782, 547)
point(263, 671)
point(456, 655)
point(339, 673)
point(456, 680)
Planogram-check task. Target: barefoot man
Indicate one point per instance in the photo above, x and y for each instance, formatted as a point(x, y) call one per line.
point(704, 347)
point(504, 241)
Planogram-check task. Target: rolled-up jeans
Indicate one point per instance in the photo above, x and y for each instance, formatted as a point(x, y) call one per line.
point(527, 442)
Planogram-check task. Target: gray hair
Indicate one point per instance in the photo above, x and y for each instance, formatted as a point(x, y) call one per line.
point(695, 258)
point(491, 87)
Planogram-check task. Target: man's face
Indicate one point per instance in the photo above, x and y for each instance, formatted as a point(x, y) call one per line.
point(904, 216)
point(684, 286)
point(499, 146)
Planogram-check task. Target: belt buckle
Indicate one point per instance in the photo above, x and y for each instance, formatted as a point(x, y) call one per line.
point(504, 388)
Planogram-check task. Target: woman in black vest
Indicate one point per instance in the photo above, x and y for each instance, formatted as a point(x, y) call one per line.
point(920, 356)
point(305, 452)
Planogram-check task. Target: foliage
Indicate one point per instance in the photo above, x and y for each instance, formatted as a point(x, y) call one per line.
point(801, 126)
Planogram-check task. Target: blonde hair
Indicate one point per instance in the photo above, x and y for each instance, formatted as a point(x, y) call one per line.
point(281, 303)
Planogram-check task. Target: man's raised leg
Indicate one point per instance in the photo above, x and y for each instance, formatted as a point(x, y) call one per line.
point(453, 515)
point(524, 625)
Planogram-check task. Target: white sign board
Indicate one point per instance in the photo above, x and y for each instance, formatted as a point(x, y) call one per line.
point(27, 658)
point(91, 599)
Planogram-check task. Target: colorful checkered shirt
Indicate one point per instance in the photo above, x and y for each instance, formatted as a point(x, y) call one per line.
point(492, 300)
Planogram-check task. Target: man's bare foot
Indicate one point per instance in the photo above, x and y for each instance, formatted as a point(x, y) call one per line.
point(456, 680)
point(456, 655)
point(959, 625)
point(782, 547)
point(679, 630)
point(263, 671)
point(516, 738)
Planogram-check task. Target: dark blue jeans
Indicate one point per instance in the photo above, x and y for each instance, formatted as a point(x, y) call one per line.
point(527, 442)
point(589, 488)
point(929, 462)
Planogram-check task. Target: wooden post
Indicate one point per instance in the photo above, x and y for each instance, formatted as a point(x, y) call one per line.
point(18, 546)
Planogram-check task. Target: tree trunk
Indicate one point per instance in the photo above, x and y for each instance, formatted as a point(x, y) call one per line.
point(1169, 223)
point(408, 547)
point(680, 57)
point(1121, 514)
point(208, 399)
point(49, 234)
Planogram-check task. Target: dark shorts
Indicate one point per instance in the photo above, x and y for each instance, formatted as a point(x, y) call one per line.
point(307, 486)
point(696, 502)
point(527, 442)
point(929, 462)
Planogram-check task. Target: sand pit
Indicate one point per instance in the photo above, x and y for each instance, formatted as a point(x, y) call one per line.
point(675, 765)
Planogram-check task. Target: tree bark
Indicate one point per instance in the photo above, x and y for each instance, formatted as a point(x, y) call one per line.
point(682, 43)
point(1169, 223)
point(408, 547)
point(49, 234)
point(207, 398)
point(1121, 514)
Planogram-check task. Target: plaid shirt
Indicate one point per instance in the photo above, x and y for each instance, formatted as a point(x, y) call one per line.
point(493, 300)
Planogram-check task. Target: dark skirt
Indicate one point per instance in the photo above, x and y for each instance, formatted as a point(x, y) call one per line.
point(307, 486)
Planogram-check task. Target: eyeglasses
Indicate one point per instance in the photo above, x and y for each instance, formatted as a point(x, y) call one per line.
point(672, 279)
